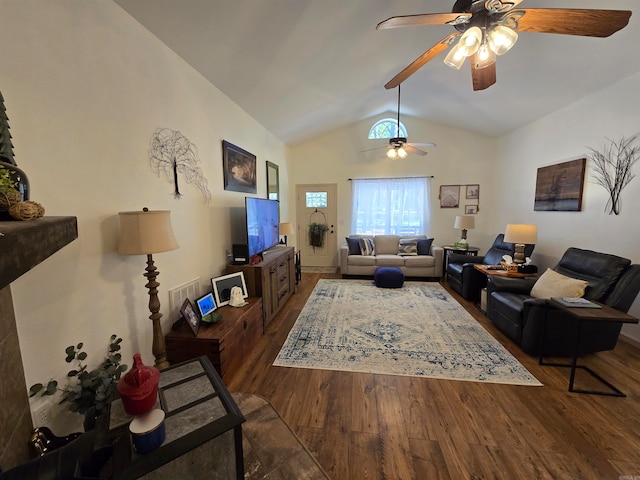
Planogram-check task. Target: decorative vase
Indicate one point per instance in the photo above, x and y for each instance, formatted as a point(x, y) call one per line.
point(139, 387)
point(18, 192)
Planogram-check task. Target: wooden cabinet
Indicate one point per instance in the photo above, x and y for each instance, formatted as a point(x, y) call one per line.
point(226, 343)
point(273, 279)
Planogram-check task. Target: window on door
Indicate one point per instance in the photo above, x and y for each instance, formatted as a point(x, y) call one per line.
point(390, 206)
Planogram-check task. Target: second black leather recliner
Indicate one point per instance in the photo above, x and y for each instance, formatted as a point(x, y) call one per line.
point(465, 279)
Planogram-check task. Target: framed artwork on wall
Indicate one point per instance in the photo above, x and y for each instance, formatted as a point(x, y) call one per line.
point(239, 169)
point(472, 192)
point(470, 209)
point(449, 196)
point(222, 287)
point(559, 187)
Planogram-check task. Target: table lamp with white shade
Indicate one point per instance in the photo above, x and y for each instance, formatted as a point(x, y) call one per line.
point(464, 223)
point(520, 235)
point(285, 229)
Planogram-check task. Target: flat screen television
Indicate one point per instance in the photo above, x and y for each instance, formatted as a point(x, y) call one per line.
point(263, 218)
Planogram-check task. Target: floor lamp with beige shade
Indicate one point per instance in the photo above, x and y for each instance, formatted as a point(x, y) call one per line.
point(144, 233)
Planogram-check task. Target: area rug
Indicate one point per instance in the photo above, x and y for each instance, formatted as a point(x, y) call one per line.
point(417, 330)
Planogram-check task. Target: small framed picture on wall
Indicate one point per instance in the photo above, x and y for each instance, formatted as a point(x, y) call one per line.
point(473, 192)
point(470, 209)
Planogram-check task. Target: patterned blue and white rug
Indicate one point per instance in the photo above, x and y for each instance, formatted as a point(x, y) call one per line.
point(417, 330)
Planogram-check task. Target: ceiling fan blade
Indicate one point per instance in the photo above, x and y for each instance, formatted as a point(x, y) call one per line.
point(482, 78)
point(412, 149)
point(423, 19)
point(568, 21)
point(425, 144)
point(375, 148)
point(421, 61)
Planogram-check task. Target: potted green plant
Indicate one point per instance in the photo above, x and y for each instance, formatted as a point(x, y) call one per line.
point(88, 390)
point(316, 234)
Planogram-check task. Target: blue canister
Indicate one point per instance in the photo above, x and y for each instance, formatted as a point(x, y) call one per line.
point(147, 431)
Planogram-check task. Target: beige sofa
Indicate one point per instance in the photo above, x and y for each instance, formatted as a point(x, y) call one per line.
point(392, 251)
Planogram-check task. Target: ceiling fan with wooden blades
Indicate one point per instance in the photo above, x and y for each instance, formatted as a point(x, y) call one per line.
point(486, 28)
point(398, 146)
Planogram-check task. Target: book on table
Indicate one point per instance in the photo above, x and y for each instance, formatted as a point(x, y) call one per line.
point(573, 302)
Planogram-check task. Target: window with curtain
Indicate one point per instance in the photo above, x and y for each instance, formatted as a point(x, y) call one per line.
point(390, 206)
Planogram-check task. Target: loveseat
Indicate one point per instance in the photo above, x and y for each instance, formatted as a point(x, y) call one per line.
point(415, 255)
point(519, 307)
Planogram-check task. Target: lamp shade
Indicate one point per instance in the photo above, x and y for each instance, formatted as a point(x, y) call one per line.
point(465, 222)
point(520, 233)
point(285, 228)
point(145, 232)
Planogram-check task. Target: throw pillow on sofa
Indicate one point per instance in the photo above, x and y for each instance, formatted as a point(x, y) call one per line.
point(424, 246)
point(367, 247)
point(354, 245)
point(408, 246)
point(554, 284)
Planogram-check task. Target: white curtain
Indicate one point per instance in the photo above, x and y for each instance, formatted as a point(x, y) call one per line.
point(396, 206)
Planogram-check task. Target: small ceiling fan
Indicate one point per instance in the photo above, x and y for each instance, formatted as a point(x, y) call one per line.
point(486, 28)
point(398, 146)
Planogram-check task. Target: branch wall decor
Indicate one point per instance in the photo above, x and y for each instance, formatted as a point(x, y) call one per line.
point(613, 168)
point(172, 153)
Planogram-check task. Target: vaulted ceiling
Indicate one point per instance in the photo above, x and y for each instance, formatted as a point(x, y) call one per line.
point(305, 67)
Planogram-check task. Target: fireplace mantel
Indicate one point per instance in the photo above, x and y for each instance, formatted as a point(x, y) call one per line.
point(24, 244)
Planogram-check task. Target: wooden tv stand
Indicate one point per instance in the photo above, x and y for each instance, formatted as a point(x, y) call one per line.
point(226, 343)
point(273, 279)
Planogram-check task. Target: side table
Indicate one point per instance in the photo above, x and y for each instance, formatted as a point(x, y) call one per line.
point(203, 429)
point(481, 267)
point(453, 249)
point(583, 315)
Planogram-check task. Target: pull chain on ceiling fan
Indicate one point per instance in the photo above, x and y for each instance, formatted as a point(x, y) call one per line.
point(489, 28)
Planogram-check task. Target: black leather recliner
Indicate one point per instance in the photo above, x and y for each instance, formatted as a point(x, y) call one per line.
point(612, 281)
point(468, 281)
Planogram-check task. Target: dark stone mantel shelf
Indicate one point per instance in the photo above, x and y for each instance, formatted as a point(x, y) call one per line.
point(24, 244)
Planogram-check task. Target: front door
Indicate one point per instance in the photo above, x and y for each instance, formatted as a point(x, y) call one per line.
point(316, 205)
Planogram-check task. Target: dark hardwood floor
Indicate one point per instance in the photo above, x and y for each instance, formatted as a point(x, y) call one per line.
point(365, 426)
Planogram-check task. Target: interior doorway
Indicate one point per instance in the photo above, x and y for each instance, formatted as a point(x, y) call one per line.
point(317, 204)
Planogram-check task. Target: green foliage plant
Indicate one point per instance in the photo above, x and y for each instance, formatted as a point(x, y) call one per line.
point(316, 234)
point(91, 388)
point(6, 182)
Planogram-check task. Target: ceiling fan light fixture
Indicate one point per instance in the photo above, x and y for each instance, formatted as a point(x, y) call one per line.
point(402, 153)
point(391, 153)
point(470, 41)
point(484, 57)
point(501, 39)
point(454, 58)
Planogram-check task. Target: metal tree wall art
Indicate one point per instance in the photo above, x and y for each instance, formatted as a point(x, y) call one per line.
point(613, 168)
point(172, 153)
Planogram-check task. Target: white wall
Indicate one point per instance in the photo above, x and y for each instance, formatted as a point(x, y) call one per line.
point(85, 86)
point(459, 157)
point(565, 135)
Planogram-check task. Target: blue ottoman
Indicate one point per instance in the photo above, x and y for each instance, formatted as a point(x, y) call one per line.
point(388, 277)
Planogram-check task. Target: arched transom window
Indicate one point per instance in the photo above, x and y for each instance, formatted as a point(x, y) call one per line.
point(387, 128)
